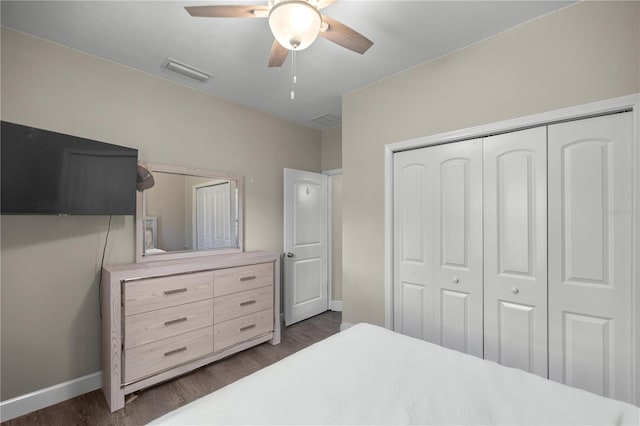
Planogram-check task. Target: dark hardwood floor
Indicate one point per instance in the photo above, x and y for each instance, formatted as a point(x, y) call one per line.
point(151, 403)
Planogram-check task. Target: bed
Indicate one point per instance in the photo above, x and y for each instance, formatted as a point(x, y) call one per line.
point(370, 375)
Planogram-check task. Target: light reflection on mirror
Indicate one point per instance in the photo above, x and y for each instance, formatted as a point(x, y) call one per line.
point(189, 213)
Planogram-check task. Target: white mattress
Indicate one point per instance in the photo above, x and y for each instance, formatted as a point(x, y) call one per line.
point(370, 375)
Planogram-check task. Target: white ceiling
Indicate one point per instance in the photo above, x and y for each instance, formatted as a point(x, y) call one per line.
point(143, 34)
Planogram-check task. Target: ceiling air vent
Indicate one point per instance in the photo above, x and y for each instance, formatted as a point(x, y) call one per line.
point(188, 70)
point(327, 120)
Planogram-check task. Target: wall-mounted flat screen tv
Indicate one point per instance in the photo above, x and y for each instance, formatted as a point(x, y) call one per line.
point(45, 172)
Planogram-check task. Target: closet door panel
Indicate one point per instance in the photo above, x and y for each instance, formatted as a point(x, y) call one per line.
point(413, 242)
point(590, 229)
point(454, 211)
point(515, 208)
point(454, 320)
point(412, 300)
point(515, 250)
point(588, 352)
point(457, 212)
point(516, 339)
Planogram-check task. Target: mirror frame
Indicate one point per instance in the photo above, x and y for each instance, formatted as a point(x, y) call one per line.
point(213, 174)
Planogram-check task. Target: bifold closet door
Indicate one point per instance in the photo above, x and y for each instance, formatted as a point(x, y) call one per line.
point(438, 245)
point(515, 250)
point(413, 288)
point(457, 202)
point(590, 264)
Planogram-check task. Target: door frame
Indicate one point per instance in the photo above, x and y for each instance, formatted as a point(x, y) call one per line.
point(330, 173)
point(625, 103)
point(327, 236)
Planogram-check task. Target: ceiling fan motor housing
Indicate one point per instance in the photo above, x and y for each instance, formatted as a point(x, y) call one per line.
point(295, 23)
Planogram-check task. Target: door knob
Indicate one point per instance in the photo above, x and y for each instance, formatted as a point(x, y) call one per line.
point(515, 290)
point(289, 254)
point(456, 280)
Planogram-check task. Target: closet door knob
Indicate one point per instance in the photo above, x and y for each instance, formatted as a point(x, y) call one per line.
point(456, 280)
point(515, 290)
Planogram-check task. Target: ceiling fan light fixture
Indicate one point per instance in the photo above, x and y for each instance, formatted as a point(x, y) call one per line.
point(295, 24)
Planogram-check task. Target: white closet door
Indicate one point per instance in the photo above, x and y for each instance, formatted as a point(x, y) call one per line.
point(515, 250)
point(457, 212)
point(413, 287)
point(590, 231)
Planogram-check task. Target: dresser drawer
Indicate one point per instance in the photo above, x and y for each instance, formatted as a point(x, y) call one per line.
point(240, 329)
point(240, 304)
point(154, 357)
point(234, 280)
point(156, 325)
point(158, 293)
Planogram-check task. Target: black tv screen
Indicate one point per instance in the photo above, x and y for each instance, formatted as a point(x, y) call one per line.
point(46, 172)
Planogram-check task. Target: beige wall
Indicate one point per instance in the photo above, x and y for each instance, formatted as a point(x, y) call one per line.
point(331, 148)
point(50, 316)
point(584, 53)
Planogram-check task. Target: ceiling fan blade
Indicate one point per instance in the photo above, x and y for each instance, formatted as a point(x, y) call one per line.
point(344, 36)
point(278, 54)
point(245, 11)
point(325, 3)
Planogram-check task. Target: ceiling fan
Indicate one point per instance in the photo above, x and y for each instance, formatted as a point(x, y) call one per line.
point(295, 25)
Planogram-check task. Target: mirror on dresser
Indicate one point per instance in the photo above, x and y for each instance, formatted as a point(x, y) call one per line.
point(188, 212)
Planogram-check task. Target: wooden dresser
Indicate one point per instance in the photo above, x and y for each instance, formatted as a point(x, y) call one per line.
point(166, 318)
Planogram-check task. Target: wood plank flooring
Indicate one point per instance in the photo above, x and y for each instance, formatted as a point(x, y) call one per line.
point(149, 404)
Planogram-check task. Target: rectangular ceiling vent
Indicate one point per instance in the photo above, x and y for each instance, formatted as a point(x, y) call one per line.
point(188, 70)
point(327, 120)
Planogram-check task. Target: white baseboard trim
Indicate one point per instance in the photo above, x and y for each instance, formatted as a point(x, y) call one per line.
point(345, 325)
point(336, 305)
point(42, 398)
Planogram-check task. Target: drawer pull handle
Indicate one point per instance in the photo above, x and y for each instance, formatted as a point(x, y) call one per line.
point(248, 302)
point(248, 327)
point(175, 351)
point(176, 291)
point(249, 278)
point(175, 321)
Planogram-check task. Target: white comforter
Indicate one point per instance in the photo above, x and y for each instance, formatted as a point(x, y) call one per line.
point(370, 375)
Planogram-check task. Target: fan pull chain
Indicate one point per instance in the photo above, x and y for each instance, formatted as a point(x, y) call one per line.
point(293, 75)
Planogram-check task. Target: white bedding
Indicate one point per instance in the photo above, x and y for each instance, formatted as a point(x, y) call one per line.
point(370, 375)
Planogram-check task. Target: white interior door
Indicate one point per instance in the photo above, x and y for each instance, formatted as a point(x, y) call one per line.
point(214, 221)
point(305, 244)
point(590, 231)
point(515, 249)
point(438, 245)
